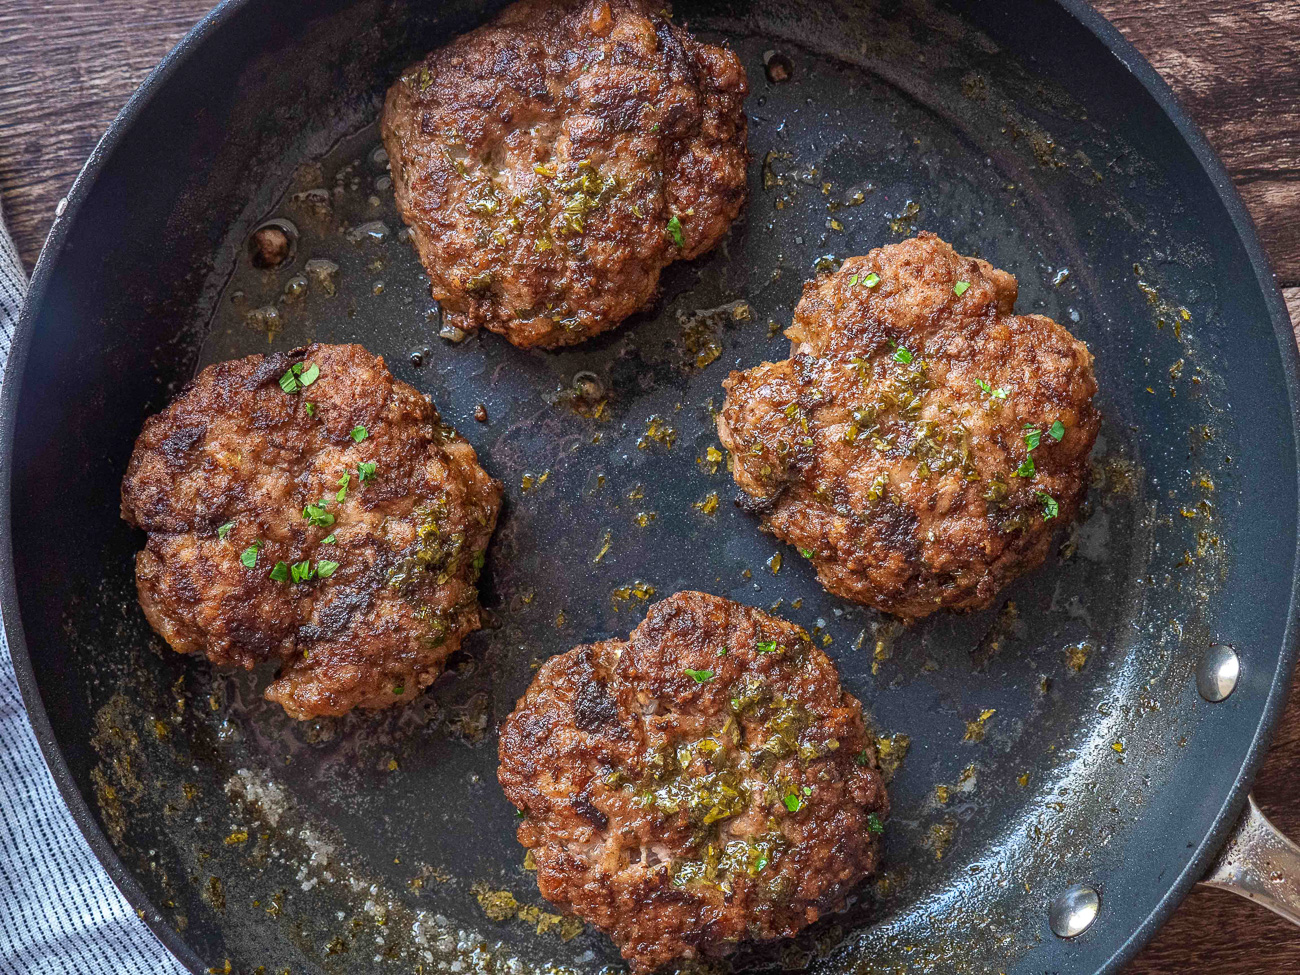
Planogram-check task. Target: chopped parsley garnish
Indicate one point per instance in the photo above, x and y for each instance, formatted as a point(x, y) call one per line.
point(359, 433)
point(325, 568)
point(1033, 436)
point(1026, 468)
point(343, 483)
point(724, 651)
point(903, 354)
point(1056, 431)
point(862, 758)
point(1050, 508)
point(807, 553)
point(984, 385)
point(310, 408)
point(399, 690)
point(793, 802)
point(675, 231)
point(249, 555)
point(299, 376)
point(281, 572)
point(871, 280)
point(328, 539)
point(479, 559)
point(301, 571)
point(960, 288)
point(699, 676)
point(366, 470)
point(224, 530)
point(766, 646)
point(853, 280)
point(317, 516)
point(874, 824)
point(1000, 394)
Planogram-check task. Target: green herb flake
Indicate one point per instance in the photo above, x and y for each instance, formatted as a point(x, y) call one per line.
point(853, 280)
point(280, 573)
point(960, 288)
point(1050, 508)
point(328, 539)
point(871, 280)
point(249, 555)
point(301, 571)
point(675, 231)
point(343, 483)
point(699, 676)
point(724, 651)
point(290, 381)
point(325, 568)
point(793, 802)
point(983, 384)
point(224, 530)
point(766, 646)
point(862, 758)
point(399, 690)
point(317, 516)
point(359, 433)
point(903, 354)
point(807, 553)
point(366, 470)
point(1000, 393)
point(310, 408)
point(874, 824)
point(1026, 468)
point(299, 376)
point(1033, 437)
point(479, 559)
point(1056, 431)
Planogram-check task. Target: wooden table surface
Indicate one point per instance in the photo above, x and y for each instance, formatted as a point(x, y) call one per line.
point(67, 67)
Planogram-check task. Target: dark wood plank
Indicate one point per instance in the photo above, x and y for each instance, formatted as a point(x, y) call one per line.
point(67, 67)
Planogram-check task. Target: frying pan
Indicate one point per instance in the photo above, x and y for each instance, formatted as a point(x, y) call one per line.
point(1052, 759)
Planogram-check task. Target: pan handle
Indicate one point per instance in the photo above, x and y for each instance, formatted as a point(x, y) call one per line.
point(1260, 864)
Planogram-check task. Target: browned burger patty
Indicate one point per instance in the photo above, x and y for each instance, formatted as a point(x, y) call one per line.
point(922, 441)
point(705, 782)
point(310, 509)
point(552, 162)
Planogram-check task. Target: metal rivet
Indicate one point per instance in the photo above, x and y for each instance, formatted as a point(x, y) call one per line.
point(1073, 911)
point(1216, 677)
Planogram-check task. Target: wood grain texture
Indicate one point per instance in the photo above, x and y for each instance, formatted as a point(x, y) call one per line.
point(67, 66)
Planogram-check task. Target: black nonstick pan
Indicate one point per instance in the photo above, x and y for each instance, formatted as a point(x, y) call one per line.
point(1053, 760)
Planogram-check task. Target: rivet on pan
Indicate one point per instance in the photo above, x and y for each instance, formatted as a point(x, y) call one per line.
point(1073, 911)
point(1216, 677)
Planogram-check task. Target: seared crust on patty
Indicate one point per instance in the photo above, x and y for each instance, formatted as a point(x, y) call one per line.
point(705, 782)
point(895, 448)
point(221, 481)
point(540, 159)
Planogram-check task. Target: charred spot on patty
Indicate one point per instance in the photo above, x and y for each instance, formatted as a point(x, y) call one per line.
point(552, 162)
point(719, 786)
point(278, 495)
point(923, 441)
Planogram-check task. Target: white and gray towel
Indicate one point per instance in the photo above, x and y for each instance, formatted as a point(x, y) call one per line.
point(59, 912)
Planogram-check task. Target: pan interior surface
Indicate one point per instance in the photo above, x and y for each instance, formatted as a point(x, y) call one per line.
point(1056, 738)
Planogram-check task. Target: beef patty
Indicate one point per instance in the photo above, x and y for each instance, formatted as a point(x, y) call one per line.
point(922, 441)
point(308, 508)
point(704, 782)
point(552, 162)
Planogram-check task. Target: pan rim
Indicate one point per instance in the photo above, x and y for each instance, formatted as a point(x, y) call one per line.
point(1082, 12)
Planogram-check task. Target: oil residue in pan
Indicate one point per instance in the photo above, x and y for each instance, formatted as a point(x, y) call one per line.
point(381, 842)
